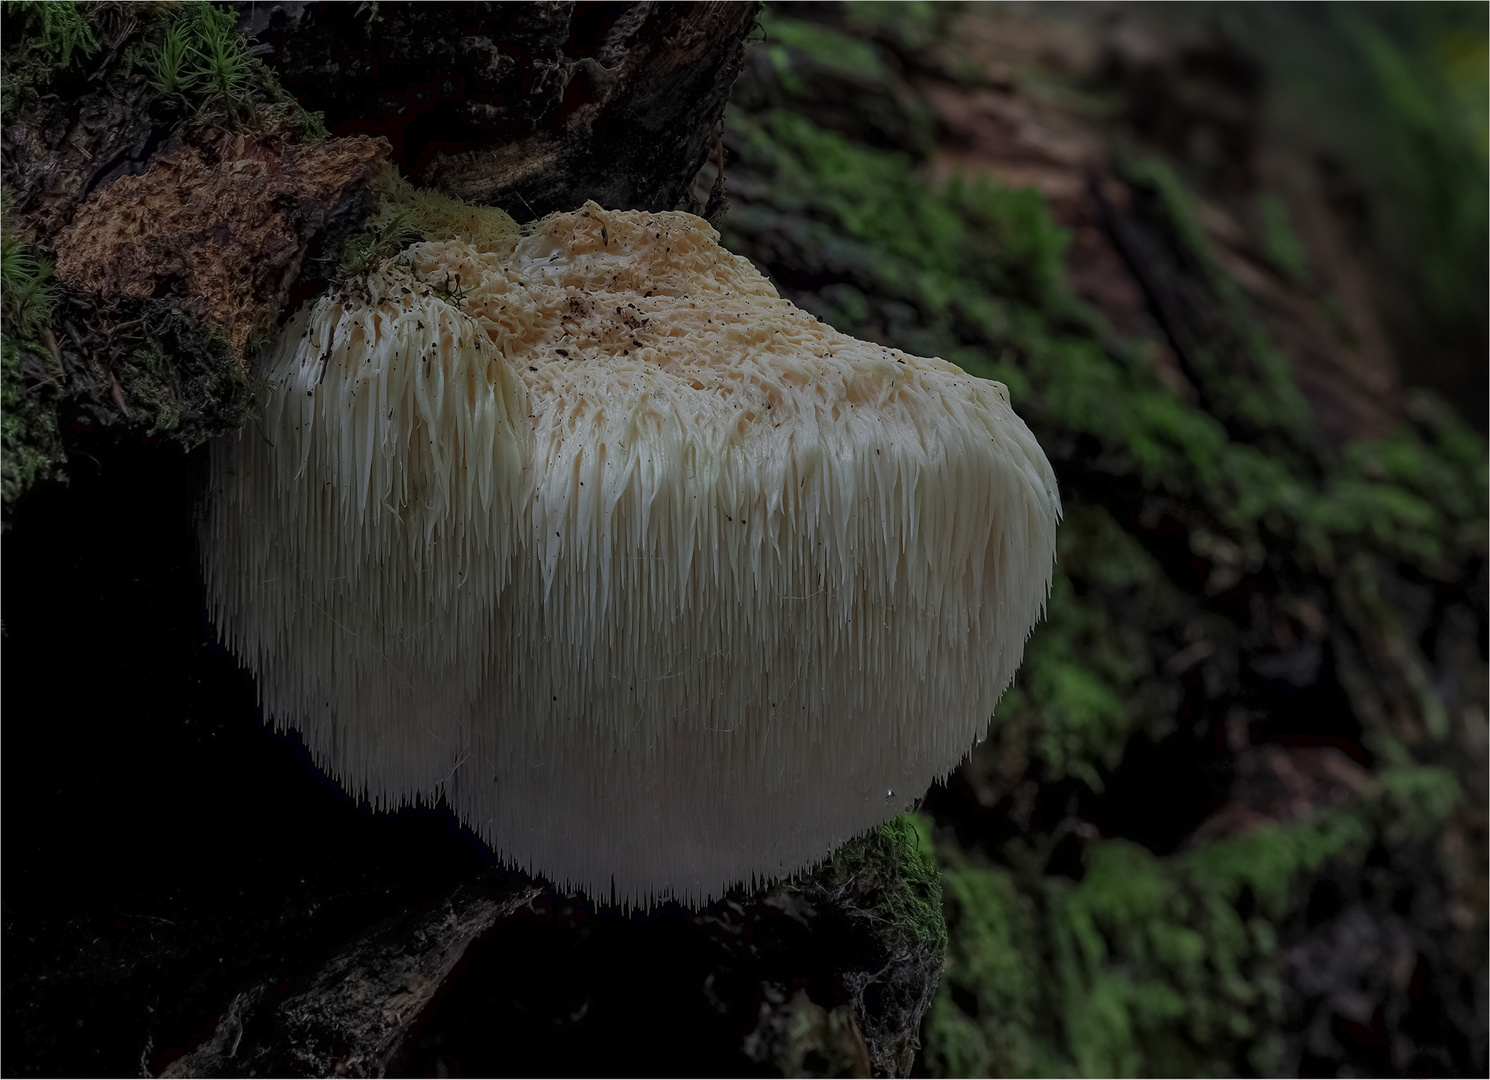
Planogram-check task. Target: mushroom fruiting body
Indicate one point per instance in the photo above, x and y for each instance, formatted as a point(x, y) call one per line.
point(661, 582)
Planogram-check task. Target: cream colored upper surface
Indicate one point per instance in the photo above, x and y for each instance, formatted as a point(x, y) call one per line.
point(651, 293)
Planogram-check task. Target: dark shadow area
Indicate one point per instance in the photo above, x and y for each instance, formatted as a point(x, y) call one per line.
point(162, 848)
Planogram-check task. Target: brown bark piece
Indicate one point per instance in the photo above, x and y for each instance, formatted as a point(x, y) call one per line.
point(225, 238)
point(355, 1013)
point(659, 86)
point(55, 155)
point(533, 107)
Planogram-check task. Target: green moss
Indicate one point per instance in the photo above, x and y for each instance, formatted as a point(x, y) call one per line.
point(1416, 801)
point(1419, 496)
point(1243, 380)
point(30, 447)
point(41, 39)
point(1147, 966)
point(161, 371)
point(190, 57)
point(403, 214)
point(181, 379)
point(837, 77)
point(883, 890)
point(911, 24)
point(986, 1020)
point(1073, 705)
point(29, 295)
point(379, 240)
point(30, 444)
point(975, 269)
point(896, 864)
point(199, 62)
point(1279, 240)
point(1089, 680)
point(62, 29)
point(823, 44)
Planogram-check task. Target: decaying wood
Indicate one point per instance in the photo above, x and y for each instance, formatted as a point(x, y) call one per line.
point(352, 1016)
point(233, 233)
point(531, 107)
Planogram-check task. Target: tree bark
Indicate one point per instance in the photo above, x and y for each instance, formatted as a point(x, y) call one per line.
point(361, 1005)
point(530, 107)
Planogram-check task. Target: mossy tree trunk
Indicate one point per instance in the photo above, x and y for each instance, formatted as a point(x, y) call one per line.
point(1256, 709)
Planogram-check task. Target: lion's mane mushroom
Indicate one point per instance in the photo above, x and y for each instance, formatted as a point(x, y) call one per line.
point(661, 582)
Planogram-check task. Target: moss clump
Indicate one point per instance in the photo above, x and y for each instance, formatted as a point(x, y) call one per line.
point(43, 38)
point(1243, 380)
point(180, 378)
point(30, 444)
point(190, 58)
point(822, 44)
point(896, 864)
point(29, 294)
point(1147, 965)
point(198, 61)
point(161, 372)
point(403, 214)
point(1420, 496)
point(1089, 680)
point(809, 64)
point(1279, 240)
point(886, 886)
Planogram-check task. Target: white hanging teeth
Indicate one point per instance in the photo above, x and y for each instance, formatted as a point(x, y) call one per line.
point(658, 580)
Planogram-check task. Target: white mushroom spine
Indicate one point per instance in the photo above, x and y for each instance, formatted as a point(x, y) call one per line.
point(661, 583)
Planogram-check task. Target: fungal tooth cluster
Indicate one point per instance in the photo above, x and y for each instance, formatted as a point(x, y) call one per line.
point(658, 581)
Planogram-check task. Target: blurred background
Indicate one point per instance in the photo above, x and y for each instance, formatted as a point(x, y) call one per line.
point(1231, 261)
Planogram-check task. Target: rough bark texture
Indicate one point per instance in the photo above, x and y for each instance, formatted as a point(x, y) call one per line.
point(362, 1004)
point(829, 975)
point(58, 154)
point(228, 233)
point(530, 107)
